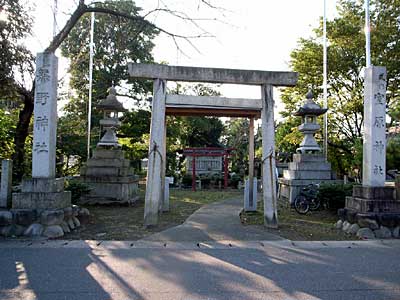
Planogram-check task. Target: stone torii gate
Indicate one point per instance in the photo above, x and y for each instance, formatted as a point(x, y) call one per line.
point(218, 106)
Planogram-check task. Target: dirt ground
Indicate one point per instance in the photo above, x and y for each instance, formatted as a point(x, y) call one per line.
point(126, 222)
point(118, 222)
point(314, 226)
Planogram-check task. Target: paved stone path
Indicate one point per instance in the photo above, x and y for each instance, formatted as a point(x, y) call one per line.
point(215, 222)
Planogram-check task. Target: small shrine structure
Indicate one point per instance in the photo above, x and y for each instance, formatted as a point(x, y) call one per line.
point(309, 164)
point(197, 163)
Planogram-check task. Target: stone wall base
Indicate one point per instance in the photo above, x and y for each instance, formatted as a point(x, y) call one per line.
point(42, 208)
point(49, 223)
point(372, 212)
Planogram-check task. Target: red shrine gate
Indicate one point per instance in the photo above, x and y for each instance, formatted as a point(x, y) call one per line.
point(208, 151)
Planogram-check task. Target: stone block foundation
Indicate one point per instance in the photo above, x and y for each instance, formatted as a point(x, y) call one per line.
point(372, 212)
point(42, 208)
point(49, 223)
point(109, 178)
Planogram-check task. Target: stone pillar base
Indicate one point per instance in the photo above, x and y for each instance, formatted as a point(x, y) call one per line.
point(42, 193)
point(49, 223)
point(373, 200)
point(42, 208)
point(371, 212)
point(247, 205)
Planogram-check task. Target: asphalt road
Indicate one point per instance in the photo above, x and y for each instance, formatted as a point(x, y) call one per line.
point(190, 271)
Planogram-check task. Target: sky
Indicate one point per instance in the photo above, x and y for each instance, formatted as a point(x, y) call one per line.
point(252, 34)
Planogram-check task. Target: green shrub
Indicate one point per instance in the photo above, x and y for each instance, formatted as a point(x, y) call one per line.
point(77, 190)
point(216, 178)
point(234, 181)
point(205, 181)
point(187, 180)
point(335, 194)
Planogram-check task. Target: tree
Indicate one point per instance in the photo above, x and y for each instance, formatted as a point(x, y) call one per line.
point(287, 137)
point(393, 154)
point(7, 129)
point(118, 41)
point(16, 69)
point(197, 131)
point(346, 57)
point(236, 136)
point(16, 57)
point(134, 135)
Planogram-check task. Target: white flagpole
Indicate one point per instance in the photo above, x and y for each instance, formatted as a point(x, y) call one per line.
point(367, 36)
point(91, 46)
point(325, 83)
point(55, 10)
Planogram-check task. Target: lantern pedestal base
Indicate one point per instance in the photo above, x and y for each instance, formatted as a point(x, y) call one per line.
point(304, 170)
point(109, 178)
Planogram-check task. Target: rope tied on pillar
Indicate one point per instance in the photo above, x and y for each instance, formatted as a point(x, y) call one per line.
point(154, 150)
point(272, 174)
point(269, 156)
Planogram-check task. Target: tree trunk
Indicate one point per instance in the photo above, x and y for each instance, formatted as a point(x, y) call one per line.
point(21, 133)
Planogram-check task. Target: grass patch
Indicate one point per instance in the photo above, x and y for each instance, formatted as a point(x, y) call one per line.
point(126, 222)
point(314, 226)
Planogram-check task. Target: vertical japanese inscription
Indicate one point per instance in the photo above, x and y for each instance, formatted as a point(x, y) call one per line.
point(45, 116)
point(374, 148)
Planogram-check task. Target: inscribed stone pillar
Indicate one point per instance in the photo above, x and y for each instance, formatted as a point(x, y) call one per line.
point(250, 204)
point(6, 183)
point(374, 147)
point(43, 191)
point(268, 157)
point(154, 192)
point(166, 194)
point(45, 116)
point(164, 180)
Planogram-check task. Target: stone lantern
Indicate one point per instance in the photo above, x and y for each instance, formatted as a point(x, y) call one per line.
point(309, 165)
point(110, 122)
point(309, 112)
point(107, 172)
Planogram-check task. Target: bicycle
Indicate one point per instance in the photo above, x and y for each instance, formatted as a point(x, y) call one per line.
point(307, 199)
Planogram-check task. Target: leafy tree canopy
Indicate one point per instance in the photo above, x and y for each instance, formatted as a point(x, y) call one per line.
point(117, 42)
point(15, 59)
point(346, 59)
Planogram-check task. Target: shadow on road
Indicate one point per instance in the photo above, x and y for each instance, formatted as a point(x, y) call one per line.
point(57, 273)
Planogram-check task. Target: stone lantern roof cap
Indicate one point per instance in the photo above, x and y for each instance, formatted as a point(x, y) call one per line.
point(111, 102)
point(310, 107)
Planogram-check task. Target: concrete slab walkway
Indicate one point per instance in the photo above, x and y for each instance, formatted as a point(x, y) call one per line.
point(215, 222)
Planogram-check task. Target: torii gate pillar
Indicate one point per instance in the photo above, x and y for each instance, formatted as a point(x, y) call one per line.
point(268, 157)
point(156, 164)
